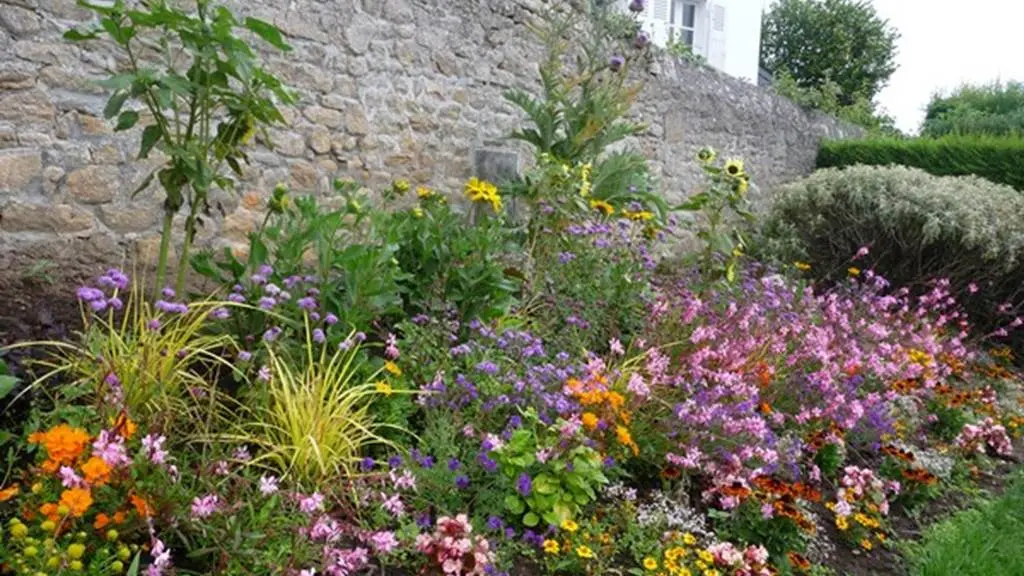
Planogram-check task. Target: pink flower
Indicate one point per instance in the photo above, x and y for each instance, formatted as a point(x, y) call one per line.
point(205, 506)
point(69, 479)
point(268, 485)
point(862, 252)
point(384, 541)
point(393, 504)
point(311, 504)
point(153, 448)
point(616, 347)
point(637, 386)
point(110, 448)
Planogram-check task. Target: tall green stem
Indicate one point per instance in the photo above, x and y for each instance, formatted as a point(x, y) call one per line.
point(186, 245)
point(165, 247)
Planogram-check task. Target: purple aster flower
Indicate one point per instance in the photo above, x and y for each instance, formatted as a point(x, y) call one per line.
point(487, 367)
point(271, 290)
point(462, 481)
point(488, 463)
point(395, 461)
point(271, 334)
point(330, 319)
point(318, 336)
point(89, 294)
point(115, 303)
point(346, 344)
point(267, 302)
point(307, 303)
point(367, 464)
point(423, 521)
point(637, 5)
point(236, 298)
point(495, 523)
point(615, 63)
point(453, 464)
point(643, 39)
point(98, 305)
point(265, 269)
point(245, 356)
point(524, 484)
point(360, 337)
point(168, 292)
point(220, 313)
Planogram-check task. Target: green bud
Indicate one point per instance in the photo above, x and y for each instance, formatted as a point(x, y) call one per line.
point(117, 566)
point(112, 535)
point(30, 551)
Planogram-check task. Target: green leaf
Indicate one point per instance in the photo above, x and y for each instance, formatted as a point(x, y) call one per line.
point(7, 385)
point(145, 184)
point(126, 120)
point(150, 136)
point(133, 570)
point(268, 32)
point(514, 505)
point(78, 35)
point(115, 104)
point(531, 519)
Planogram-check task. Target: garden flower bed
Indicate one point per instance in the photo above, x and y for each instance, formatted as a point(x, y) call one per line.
point(411, 382)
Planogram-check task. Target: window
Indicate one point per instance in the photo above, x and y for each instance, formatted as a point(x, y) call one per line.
point(683, 22)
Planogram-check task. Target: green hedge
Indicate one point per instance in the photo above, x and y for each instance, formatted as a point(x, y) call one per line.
point(919, 228)
point(999, 160)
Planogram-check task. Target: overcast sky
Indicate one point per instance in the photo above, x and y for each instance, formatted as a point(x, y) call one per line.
point(945, 43)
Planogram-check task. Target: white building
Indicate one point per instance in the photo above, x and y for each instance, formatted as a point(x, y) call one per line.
point(727, 33)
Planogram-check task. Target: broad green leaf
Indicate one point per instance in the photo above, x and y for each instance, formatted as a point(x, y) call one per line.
point(126, 120)
point(514, 505)
point(268, 32)
point(78, 35)
point(150, 136)
point(114, 105)
point(7, 385)
point(531, 519)
point(145, 184)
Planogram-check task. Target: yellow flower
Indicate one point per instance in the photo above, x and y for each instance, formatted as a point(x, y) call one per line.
point(602, 207)
point(711, 572)
point(650, 563)
point(880, 536)
point(401, 186)
point(551, 546)
point(384, 388)
point(585, 178)
point(802, 266)
point(584, 552)
point(706, 557)
point(589, 420)
point(866, 544)
point(641, 216)
point(392, 368)
point(706, 155)
point(734, 167)
point(675, 553)
point(417, 212)
point(842, 523)
point(482, 191)
point(569, 525)
point(689, 539)
point(742, 185)
point(76, 551)
point(422, 192)
point(853, 271)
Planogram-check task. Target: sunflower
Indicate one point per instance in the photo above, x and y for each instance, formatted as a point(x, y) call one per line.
point(734, 167)
point(602, 207)
point(650, 563)
point(551, 546)
point(706, 155)
point(584, 552)
point(569, 526)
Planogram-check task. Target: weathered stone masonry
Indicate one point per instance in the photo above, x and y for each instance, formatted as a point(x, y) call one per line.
point(390, 89)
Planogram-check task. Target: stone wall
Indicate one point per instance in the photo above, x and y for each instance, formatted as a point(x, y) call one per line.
point(390, 89)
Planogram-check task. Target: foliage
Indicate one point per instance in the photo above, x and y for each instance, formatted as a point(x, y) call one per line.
point(826, 98)
point(311, 418)
point(580, 113)
point(995, 159)
point(150, 357)
point(843, 43)
point(724, 198)
point(920, 228)
point(995, 109)
point(204, 93)
point(974, 542)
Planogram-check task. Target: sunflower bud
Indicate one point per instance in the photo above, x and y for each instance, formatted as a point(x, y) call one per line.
point(112, 535)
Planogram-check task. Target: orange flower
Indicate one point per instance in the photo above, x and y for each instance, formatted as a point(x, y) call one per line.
point(50, 511)
point(96, 471)
point(141, 506)
point(118, 517)
point(101, 522)
point(63, 444)
point(77, 500)
point(589, 420)
point(615, 400)
point(124, 426)
point(36, 437)
point(9, 492)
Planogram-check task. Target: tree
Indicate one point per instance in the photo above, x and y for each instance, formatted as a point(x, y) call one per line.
point(817, 42)
point(995, 109)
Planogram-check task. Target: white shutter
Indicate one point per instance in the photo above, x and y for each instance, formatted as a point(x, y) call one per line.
point(717, 41)
point(658, 16)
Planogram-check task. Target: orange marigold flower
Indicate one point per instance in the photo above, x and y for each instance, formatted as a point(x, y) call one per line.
point(615, 400)
point(101, 522)
point(50, 511)
point(77, 500)
point(36, 437)
point(64, 444)
point(96, 471)
point(119, 517)
point(623, 435)
point(9, 492)
point(141, 506)
point(589, 420)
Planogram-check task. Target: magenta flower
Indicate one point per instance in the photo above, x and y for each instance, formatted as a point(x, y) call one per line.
point(205, 506)
point(312, 503)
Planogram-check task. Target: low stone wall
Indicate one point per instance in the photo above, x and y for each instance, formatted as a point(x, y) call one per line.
point(389, 89)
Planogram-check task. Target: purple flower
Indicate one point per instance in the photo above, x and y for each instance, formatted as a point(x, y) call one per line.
point(264, 374)
point(462, 481)
point(271, 290)
point(616, 62)
point(487, 367)
point(318, 336)
point(360, 337)
point(524, 484)
point(488, 463)
point(638, 5)
point(98, 305)
point(236, 298)
point(220, 313)
point(265, 269)
point(307, 303)
point(330, 319)
point(495, 523)
point(89, 294)
point(367, 464)
point(566, 257)
point(394, 461)
point(245, 356)
point(642, 39)
point(267, 302)
point(271, 334)
point(424, 521)
point(312, 503)
point(453, 464)
point(115, 303)
point(168, 292)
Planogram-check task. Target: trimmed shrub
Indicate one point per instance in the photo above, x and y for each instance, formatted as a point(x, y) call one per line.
point(918, 228)
point(1000, 160)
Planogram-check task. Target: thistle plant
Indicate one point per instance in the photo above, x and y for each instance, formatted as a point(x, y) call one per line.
point(203, 93)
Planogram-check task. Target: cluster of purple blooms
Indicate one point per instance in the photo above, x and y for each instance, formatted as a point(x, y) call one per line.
point(105, 295)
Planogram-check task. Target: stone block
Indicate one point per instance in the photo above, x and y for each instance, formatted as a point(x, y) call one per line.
point(323, 116)
point(28, 106)
point(495, 165)
point(60, 218)
point(320, 140)
point(19, 167)
point(130, 219)
point(19, 21)
point(94, 184)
